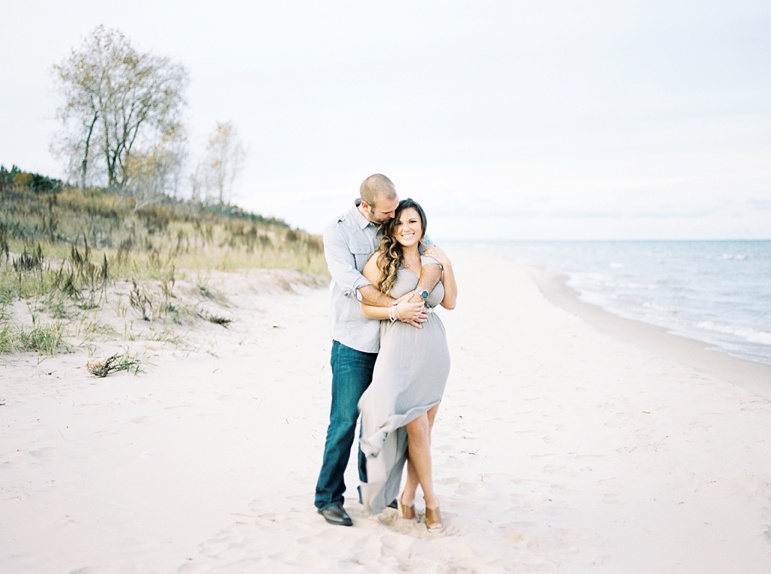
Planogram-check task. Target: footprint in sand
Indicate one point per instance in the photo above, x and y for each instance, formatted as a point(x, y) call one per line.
point(141, 420)
point(228, 544)
point(476, 490)
point(45, 452)
point(561, 470)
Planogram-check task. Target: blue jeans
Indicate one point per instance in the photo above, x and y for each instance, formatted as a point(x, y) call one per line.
point(351, 375)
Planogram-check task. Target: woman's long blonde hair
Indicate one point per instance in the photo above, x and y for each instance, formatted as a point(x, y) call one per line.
point(390, 257)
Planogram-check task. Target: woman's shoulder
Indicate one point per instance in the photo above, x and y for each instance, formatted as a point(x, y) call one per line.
point(428, 260)
point(371, 270)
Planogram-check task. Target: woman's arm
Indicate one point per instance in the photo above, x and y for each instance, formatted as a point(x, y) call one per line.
point(372, 312)
point(448, 277)
point(400, 310)
point(371, 295)
point(450, 287)
point(374, 303)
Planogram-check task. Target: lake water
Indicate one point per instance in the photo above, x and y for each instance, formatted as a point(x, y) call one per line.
point(718, 292)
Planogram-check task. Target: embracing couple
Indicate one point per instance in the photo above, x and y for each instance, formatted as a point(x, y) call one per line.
point(389, 357)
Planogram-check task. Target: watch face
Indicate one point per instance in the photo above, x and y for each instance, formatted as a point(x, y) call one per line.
point(424, 294)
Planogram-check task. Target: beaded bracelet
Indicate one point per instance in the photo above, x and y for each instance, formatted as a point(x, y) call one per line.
point(393, 313)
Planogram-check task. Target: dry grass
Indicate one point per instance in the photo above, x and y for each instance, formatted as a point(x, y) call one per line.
point(61, 252)
point(112, 364)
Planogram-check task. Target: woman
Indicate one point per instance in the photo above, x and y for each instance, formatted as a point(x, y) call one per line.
point(399, 407)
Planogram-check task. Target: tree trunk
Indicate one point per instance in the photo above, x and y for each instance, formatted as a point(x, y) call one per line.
point(84, 165)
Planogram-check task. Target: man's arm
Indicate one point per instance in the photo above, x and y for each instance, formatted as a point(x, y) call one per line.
point(430, 275)
point(341, 262)
point(374, 297)
point(430, 272)
point(377, 305)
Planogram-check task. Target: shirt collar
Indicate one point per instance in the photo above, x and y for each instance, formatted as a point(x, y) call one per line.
point(360, 220)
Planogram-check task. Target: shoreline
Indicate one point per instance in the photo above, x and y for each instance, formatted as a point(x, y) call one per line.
point(655, 283)
point(753, 375)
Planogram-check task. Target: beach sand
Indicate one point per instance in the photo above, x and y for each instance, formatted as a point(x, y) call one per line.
point(567, 442)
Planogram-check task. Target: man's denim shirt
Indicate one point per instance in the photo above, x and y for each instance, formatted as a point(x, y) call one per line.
point(349, 242)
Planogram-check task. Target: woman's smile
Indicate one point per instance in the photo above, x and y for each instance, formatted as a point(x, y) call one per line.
point(409, 228)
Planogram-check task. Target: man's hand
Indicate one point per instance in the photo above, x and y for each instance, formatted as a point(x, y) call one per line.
point(413, 313)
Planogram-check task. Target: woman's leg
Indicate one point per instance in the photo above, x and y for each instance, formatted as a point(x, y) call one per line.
point(419, 470)
point(431, 417)
point(411, 484)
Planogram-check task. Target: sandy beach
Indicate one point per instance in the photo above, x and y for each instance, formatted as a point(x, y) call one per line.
point(569, 441)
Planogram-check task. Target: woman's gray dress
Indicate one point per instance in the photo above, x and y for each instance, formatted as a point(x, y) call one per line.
point(409, 378)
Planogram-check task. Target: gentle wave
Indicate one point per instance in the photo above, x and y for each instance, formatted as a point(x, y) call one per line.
point(749, 335)
point(713, 291)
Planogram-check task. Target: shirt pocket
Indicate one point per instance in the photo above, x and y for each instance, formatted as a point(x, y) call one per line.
point(361, 250)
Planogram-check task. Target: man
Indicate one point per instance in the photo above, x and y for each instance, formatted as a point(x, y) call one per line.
point(348, 243)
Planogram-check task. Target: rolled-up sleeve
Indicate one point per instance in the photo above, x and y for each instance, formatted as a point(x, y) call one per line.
point(342, 262)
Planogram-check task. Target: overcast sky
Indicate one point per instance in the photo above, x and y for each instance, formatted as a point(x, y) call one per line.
point(505, 119)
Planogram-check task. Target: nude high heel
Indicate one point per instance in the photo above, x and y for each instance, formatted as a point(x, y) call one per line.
point(434, 520)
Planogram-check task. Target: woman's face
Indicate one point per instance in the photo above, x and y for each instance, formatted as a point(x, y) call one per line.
point(408, 228)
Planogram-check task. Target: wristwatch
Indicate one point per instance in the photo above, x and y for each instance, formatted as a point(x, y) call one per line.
point(423, 293)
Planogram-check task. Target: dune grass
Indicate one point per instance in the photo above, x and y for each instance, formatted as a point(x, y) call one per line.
point(59, 253)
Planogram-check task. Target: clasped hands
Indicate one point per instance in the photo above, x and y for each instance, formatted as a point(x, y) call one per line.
point(411, 309)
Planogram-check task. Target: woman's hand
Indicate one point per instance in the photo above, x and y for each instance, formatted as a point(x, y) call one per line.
point(412, 313)
point(437, 253)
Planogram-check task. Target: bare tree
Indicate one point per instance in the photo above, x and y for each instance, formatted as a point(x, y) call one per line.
point(223, 161)
point(156, 173)
point(175, 156)
point(197, 185)
point(117, 102)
